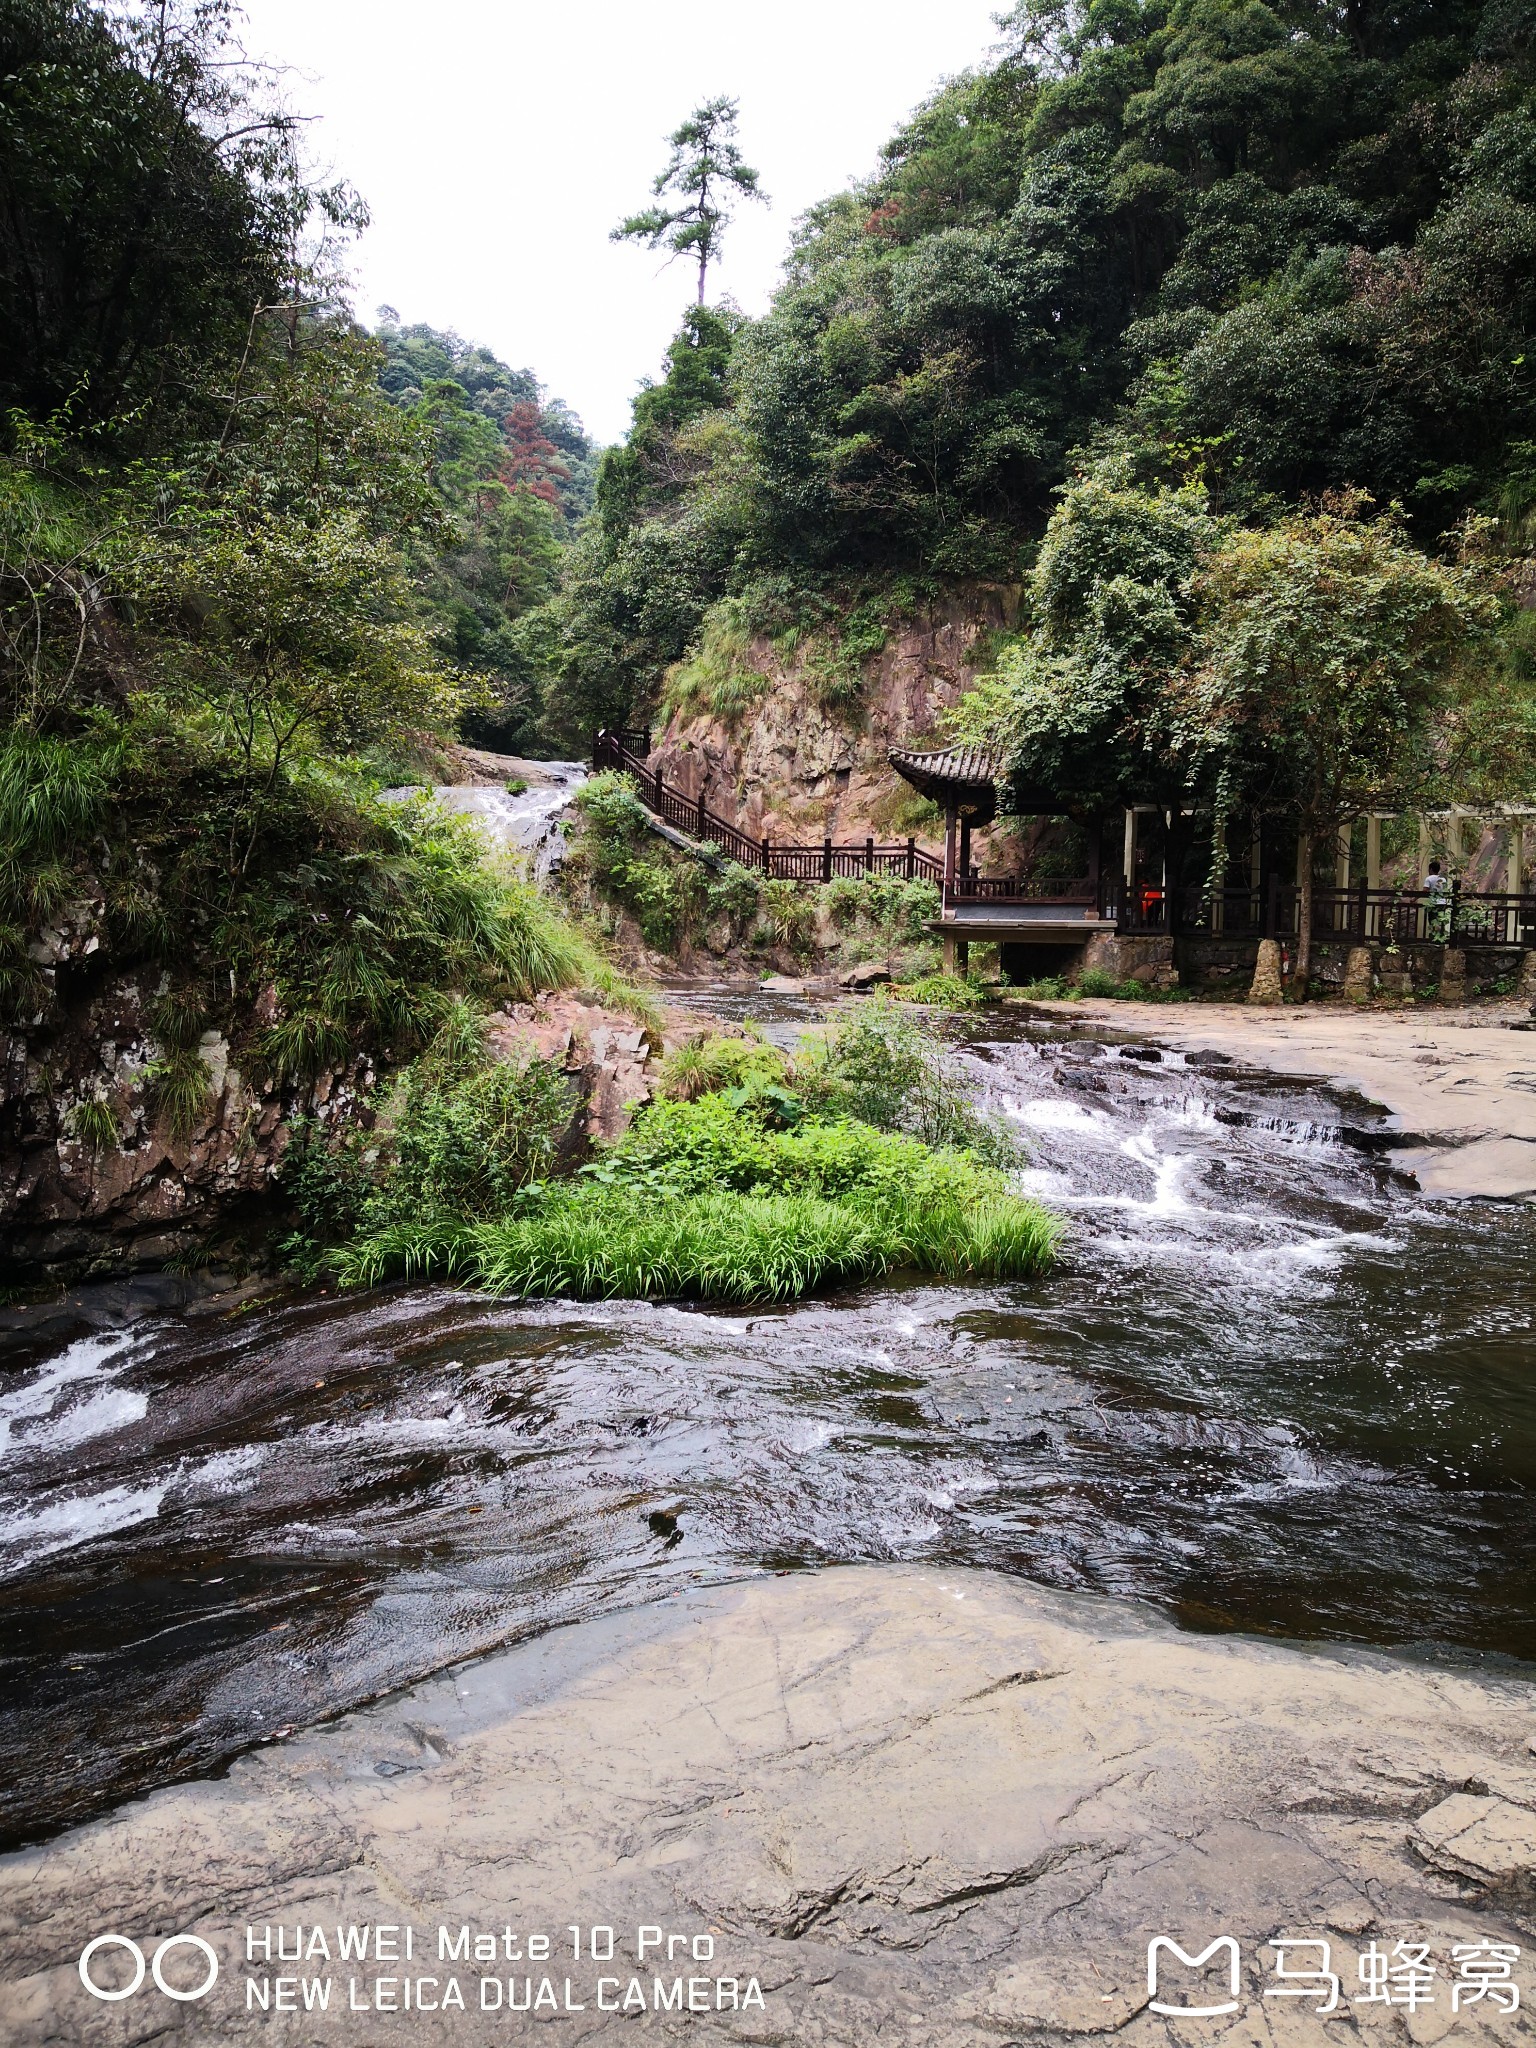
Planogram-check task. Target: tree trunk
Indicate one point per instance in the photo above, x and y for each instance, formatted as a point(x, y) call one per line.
point(1303, 972)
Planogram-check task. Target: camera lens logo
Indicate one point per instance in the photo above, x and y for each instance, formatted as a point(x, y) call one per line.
point(112, 1992)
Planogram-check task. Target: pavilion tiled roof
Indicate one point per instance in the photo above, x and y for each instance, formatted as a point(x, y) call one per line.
point(948, 768)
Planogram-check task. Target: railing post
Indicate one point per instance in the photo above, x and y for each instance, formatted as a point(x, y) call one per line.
point(826, 860)
point(1450, 933)
point(703, 817)
point(1272, 909)
point(1365, 910)
point(911, 859)
point(767, 858)
point(869, 856)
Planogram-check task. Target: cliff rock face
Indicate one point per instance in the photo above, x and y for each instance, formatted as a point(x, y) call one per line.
point(797, 766)
point(75, 1200)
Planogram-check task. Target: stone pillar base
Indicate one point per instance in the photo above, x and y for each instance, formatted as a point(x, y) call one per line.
point(1453, 975)
point(950, 943)
point(1358, 974)
point(1528, 976)
point(1266, 986)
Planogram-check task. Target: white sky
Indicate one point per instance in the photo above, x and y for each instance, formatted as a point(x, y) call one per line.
point(498, 141)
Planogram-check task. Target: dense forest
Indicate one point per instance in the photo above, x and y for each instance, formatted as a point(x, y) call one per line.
point(253, 560)
point(1201, 324)
point(1214, 268)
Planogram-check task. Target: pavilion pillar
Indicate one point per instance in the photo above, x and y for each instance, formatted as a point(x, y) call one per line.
point(1341, 865)
point(1514, 872)
point(949, 848)
point(965, 846)
point(1424, 848)
point(1373, 851)
point(1130, 849)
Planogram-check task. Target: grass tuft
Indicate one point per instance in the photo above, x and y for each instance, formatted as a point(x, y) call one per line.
point(179, 1089)
point(709, 1063)
point(92, 1123)
point(940, 992)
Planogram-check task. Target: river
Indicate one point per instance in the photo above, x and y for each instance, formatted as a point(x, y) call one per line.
point(1268, 1388)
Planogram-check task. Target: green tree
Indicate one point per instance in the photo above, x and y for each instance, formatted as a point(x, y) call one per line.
point(708, 177)
point(1332, 658)
point(150, 200)
point(1081, 704)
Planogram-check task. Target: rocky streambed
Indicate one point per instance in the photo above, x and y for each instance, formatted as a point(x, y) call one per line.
point(1272, 1396)
point(919, 1806)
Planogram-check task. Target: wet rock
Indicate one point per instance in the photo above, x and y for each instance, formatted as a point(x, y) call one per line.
point(946, 1810)
point(783, 985)
point(861, 978)
point(606, 1052)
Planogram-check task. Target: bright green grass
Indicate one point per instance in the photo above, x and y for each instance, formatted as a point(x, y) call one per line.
point(593, 1244)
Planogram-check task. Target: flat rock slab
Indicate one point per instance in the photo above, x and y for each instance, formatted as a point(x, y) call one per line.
point(1463, 1080)
point(907, 1806)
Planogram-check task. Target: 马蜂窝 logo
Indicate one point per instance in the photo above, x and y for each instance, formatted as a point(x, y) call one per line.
point(1162, 1943)
point(154, 1965)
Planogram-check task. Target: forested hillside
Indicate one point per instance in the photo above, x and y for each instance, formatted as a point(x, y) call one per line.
point(513, 472)
point(254, 564)
point(1259, 250)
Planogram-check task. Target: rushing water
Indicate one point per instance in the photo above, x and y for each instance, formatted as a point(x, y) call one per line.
point(1268, 1387)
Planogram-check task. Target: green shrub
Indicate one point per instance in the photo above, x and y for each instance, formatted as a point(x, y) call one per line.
point(617, 851)
point(940, 992)
point(458, 1138)
point(1098, 981)
point(712, 1062)
point(702, 1197)
point(897, 911)
point(791, 912)
point(883, 1067)
point(468, 1144)
point(516, 785)
point(735, 895)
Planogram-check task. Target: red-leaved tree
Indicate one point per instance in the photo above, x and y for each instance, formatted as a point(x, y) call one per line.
point(532, 461)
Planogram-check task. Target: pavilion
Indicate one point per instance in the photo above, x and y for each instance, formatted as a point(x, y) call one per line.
point(1006, 910)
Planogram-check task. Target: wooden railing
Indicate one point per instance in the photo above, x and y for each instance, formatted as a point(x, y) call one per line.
point(819, 861)
point(1397, 917)
point(1400, 917)
point(973, 888)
